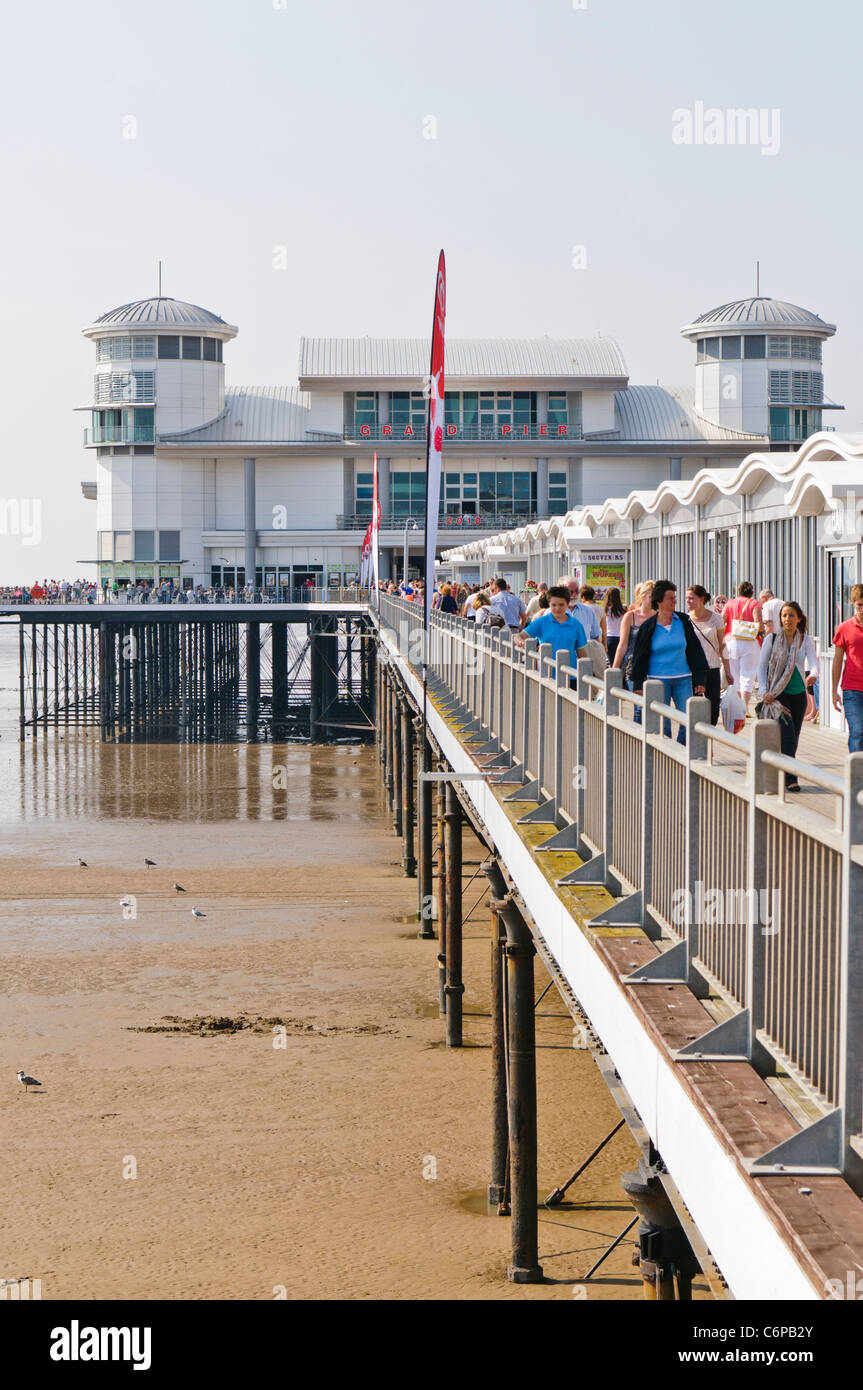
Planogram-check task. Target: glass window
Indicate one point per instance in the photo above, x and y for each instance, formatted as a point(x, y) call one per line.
point(504, 486)
point(123, 546)
point(366, 408)
point(730, 348)
point(779, 386)
point(469, 407)
point(754, 346)
point(144, 424)
point(192, 348)
point(144, 347)
point(144, 386)
point(557, 479)
point(210, 349)
point(169, 547)
point(487, 491)
point(169, 346)
point(557, 506)
point(778, 345)
point(557, 408)
point(145, 545)
point(451, 407)
point(399, 407)
point(711, 347)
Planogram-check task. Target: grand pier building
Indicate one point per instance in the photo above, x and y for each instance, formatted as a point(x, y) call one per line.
point(206, 483)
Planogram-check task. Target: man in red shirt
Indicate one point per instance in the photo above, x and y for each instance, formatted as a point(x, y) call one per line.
point(848, 647)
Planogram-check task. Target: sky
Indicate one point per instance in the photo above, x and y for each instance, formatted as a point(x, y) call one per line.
point(535, 143)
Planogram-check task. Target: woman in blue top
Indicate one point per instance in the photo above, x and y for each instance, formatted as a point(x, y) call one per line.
point(667, 649)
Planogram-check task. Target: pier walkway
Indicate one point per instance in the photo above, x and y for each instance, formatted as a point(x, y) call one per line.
point(706, 928)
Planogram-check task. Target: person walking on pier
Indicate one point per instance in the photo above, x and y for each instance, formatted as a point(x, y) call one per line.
point(614, 615)
point(785, 680)
point(511, 608)
point(743, 629)
point(559, 628)
point(667, 648)
point(848, 649)
point(711, 632)
point(642, 609)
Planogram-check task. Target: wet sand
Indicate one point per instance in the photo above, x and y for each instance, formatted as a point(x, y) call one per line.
point(352, 1161)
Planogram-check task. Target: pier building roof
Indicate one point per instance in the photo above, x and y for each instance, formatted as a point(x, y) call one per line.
point(257, 414)
point(467, 359)
point(160, 311)
point(758, 312)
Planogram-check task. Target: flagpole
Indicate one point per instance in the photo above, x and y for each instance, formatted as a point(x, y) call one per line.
point(434, 438)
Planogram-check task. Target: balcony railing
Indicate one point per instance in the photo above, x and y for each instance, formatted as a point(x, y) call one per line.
point(119, 434)
point(460, 434)
point(447, 522)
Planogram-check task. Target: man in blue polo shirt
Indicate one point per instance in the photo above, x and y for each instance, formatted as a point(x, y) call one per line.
point(559, 628)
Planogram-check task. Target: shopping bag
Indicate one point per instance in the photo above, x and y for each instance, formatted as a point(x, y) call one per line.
point(732, 710)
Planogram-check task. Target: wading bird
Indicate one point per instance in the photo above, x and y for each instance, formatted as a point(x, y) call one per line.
point(82, 862)
point(178, 889)
point(28, 1081)
point(150, 863)
point(196, 912)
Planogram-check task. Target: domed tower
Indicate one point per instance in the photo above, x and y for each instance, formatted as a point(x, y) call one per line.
point(159, 369)
point(758, 368)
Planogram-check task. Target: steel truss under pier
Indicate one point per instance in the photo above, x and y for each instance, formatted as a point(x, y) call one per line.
point(157, 674)
point(733, 1046)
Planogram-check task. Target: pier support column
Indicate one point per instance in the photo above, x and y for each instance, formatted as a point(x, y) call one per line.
point(425, 881)
point(397, 760)
point(499, 1122)
point(665, 1256)
point(520, 951)
point(408, 811)
point(253, 680)
point(454, 984)
point(441, 892)
point(280, 672)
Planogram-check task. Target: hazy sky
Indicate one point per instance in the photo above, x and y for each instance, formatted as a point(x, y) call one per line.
point(303, 124)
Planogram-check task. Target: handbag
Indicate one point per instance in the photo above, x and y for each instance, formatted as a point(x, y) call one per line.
point(745, 628)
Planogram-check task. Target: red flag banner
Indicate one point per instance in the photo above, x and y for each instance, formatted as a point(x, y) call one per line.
point(435, 431)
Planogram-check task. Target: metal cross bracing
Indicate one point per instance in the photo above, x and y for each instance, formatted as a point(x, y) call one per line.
point(193, 677)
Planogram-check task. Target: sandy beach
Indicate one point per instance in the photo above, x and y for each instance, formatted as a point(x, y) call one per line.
point(339, 1152)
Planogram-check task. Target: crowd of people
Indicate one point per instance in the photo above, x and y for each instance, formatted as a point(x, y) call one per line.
point(143, 591)
point(709, 647)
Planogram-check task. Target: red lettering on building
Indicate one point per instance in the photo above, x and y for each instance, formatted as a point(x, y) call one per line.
point(505, 429)
point(561, 430)
point(365, 431)
point(409, 433)
point(543, 429)
point(524, 430)
point(451, 430)
point(386, 431)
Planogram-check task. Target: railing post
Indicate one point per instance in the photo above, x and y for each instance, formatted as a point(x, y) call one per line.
point(584, 668)
point(851, 960)
point(613, 681)
point(697, 712)
point(530, 648)
point(561, 680)
point(763, 781)
point(650, 724)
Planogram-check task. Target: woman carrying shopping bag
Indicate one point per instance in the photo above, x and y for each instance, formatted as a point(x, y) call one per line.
point(787, 672)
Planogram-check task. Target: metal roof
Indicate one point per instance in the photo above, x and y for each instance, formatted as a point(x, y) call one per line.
point(650, 414)
point(759, 312)
point(259, 414)
point(160, 312)
point(466, 357)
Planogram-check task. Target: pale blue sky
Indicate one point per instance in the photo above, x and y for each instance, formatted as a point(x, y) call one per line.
point(302, 125)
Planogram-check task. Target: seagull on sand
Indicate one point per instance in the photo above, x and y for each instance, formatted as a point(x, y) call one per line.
point(178, 888)
point(150, 863)
point(82, 862)
point(196, 912)
point(28, 1081)
point(126, 902)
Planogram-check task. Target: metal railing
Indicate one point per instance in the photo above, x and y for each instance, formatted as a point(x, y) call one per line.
point(758, 899)
point(447, 521)
point(119, 434)
point(471, 434)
